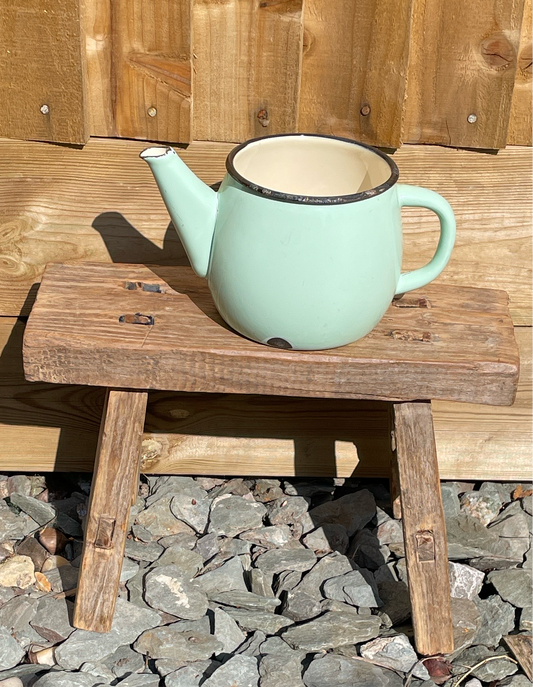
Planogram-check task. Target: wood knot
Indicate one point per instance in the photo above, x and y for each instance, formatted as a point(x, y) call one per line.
point(307, 42)
point(150, 453)
point(498, 51)
point(525, 59)
point(409, 335)
point(282, 6)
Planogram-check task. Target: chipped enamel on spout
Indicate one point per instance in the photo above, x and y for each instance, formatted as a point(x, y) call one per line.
point(302, 244)
point(191, 204)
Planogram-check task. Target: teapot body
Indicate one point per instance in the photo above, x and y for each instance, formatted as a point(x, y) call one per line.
point(304, 276)
point(302, 244)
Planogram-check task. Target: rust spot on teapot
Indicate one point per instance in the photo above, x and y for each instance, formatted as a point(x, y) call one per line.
point(276, 342)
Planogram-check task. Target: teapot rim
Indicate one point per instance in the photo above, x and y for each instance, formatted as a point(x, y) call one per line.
point(272, 194)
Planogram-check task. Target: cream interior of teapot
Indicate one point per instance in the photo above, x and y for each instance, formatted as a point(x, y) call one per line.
point(311, 166)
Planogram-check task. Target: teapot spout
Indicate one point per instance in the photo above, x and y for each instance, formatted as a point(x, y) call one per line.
point(192, 205)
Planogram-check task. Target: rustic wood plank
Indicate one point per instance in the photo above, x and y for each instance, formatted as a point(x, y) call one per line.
point(522, 649)
point(520, 121)
point(471, 437)
point(394, 479)
point(101, 203)
point(115, 479)
point(42, 71)
point(424, 528)
point(493, 212)
point(152, 69)
point(246, 68)
point(139, 68)
point(354, 69)
point(462, 63)
point(270, 436)
point(97, 28)
point(438, 342)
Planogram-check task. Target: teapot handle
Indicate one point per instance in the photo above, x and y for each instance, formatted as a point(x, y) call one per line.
point(416, 196)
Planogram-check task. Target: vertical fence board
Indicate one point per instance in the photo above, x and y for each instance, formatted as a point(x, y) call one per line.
point(276, 60)
point(520, 122)
point(354, 68)
point(41, 66)
point(246, 67)
point(139, 63)
point(462, 65)
point(98, 42)
point(152, 63)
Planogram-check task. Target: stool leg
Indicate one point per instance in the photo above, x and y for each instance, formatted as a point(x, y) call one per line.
point(423, 527)
point(114, 481)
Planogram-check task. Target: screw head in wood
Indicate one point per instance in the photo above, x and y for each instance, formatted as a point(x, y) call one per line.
point(45, 109)
point(263, 118)
point(472, 118)
point(365, 110)
point(151, 112)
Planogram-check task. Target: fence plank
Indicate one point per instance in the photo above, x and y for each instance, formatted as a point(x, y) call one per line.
point(246, 68)
point(102, 203)
point(97, 22)
point(99, 203)
point(152, 63)
point(470, 437)
point(46, 427)
point(520, 122)
point(462, 65)
point(354, 69)
point(139, 64)
point(42, 71)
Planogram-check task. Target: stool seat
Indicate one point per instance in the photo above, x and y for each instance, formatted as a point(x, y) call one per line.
point(135, 327)
point(131, 328)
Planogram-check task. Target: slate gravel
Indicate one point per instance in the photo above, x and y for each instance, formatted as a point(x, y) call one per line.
point(259, 583)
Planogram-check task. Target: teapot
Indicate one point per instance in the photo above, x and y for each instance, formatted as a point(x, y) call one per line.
point(302, 243)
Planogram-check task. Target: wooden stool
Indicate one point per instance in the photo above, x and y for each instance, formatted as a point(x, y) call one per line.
point(124, 328)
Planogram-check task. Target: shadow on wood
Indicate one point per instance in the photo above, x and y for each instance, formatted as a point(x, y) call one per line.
point(193, 433)
point(126, 244)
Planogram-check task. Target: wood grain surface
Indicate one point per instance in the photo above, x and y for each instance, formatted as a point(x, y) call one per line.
point(229, 70)
point(354, 69)
point(424, 529)
point(236, 435)
point(116, 474)
point(246, 68)
point(101, 203)
point(462, 63)
point(42, 84)
point(139, 68)
point(88, 327)
point(522, 649)
point(520, 119)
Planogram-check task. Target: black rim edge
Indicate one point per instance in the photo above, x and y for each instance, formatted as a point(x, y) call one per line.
point(312, 200)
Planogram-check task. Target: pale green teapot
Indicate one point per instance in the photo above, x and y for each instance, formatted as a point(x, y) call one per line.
point(302, 244)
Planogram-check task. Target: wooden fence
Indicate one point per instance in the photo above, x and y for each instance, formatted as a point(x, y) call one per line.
point(450, 72)
point(447, 72)
point(101, 203)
